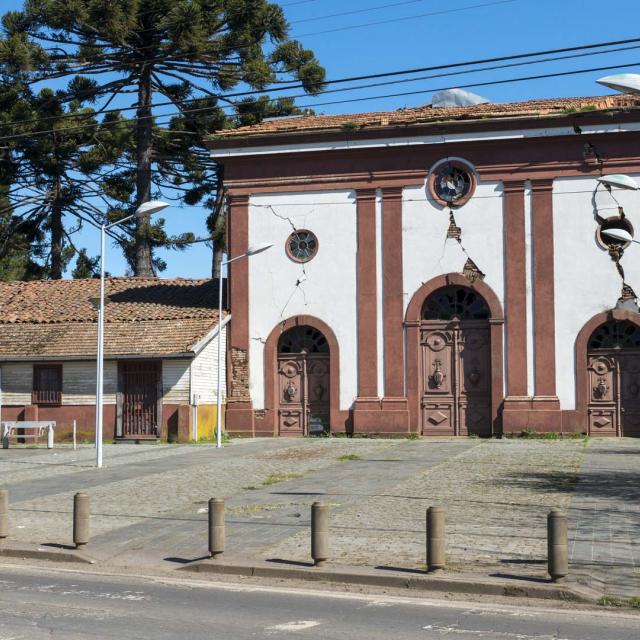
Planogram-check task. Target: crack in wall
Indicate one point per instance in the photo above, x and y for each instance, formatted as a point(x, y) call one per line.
point(303, 278)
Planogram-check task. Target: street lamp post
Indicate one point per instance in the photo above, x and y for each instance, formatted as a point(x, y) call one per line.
point(251, 251)
point(146, 208)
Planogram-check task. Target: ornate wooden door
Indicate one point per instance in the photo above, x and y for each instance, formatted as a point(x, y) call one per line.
point(456, 363)
point(303, 386)
point(456, 376)
point(141, 395)
point(613, 364)
point(303, 382)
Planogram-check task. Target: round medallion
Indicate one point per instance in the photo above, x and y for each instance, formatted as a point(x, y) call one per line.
point(452, 183)
point(302, 245)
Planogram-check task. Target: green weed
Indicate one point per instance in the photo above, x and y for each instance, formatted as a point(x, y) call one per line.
point(349, 456)
point(275, 478)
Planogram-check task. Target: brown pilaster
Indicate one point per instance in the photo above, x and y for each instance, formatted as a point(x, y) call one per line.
point(239, 412)
point(394, 403)
point(543, 296)
point(366, 410)
point(515, 292)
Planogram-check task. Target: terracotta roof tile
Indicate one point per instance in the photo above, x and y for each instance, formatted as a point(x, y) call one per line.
point(428, 114)
point(144, 316)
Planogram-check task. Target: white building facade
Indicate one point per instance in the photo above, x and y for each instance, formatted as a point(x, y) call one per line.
point(435, 271)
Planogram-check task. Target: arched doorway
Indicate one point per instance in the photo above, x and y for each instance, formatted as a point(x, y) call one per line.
point(303, 386)
point(455, 350)
point(613, 370)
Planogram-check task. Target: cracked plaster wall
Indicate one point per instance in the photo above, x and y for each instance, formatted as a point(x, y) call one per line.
point(586, 281)
point(428, 252)
point(327, 284)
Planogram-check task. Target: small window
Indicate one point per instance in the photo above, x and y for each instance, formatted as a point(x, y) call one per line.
point(452, 183)
point(47, 384)
point(609, 242)
point(302, 245)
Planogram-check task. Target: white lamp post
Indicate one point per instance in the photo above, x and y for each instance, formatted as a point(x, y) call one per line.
point(146, 208)
point(251, 251)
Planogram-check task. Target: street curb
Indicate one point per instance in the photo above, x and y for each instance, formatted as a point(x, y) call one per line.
point(39, 553)
point(476, 585)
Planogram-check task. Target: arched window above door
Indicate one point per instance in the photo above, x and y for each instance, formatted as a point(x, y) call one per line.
point(615, 334)
point(455, 302)
point(303, 338)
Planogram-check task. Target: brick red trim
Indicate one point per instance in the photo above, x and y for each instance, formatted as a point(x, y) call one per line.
point(412, 321)
point(239, 410)
point(494, 160)
point(267, 423)
point(515, 290)
point(392, 292)
point(367, 295)
point(543, 294)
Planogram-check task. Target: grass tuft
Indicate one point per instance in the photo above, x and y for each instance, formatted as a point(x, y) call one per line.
point(349, 456)
point(275, 478)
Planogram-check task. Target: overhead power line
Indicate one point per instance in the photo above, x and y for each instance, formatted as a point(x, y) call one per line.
point(361, 99)
point(405, 18)
point(372, 76)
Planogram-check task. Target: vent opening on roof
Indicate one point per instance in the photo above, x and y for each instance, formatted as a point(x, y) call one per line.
point(456, 98)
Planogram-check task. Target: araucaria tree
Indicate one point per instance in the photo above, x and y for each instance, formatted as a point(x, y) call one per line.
point(171, 58)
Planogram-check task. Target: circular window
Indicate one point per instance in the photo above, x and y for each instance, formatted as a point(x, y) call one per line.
point(606, 241)
point(302, 245)
point(452, 183)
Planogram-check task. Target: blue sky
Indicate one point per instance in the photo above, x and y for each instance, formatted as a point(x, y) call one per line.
point(405, 38)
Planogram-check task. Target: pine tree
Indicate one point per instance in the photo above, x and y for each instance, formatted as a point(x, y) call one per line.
point(185, 52)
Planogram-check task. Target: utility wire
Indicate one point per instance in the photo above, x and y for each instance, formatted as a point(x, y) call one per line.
point(350, 13)
point(405, 18)
point(349, 79)
point(334, 102)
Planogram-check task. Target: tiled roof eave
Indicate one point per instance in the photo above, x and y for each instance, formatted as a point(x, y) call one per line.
point(391, 129)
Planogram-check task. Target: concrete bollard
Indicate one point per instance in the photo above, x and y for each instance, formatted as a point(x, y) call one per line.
point(557, 545)
point(319, 533)
point(4, 513)
point(435, 538)
point(80, 519)
point(216, 527)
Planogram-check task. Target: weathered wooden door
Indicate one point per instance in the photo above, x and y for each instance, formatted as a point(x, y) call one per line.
point(613, 364)
point(456, 374)
point(141, 397)
point(456, 364)
point(303, 383)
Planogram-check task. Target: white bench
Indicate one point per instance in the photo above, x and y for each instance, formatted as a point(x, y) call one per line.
point(35, 429)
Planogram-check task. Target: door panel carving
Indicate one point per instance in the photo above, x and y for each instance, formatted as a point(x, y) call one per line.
point(303, 383)
point(613, 364)
point(456, 375)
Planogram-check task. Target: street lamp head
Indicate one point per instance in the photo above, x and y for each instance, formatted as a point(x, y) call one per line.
point(619, 180)
point(152, 206)
point(617, 234)
point(258, 248)
point(625, 82)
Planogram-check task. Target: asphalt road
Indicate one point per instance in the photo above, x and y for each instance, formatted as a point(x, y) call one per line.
point(37, 603)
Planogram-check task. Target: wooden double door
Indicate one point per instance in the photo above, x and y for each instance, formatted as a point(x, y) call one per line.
point(456, 378)
point(139, 399)
point(303, 391)
point(614, 392)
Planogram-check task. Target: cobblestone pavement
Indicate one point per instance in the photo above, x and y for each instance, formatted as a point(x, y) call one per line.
point(605, 518)
point(149, 502)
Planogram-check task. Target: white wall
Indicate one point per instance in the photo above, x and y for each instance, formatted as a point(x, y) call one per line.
point(203, 370)
point(427, 251)
point(327, 291)
point(586, 280)
point(175, 381)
